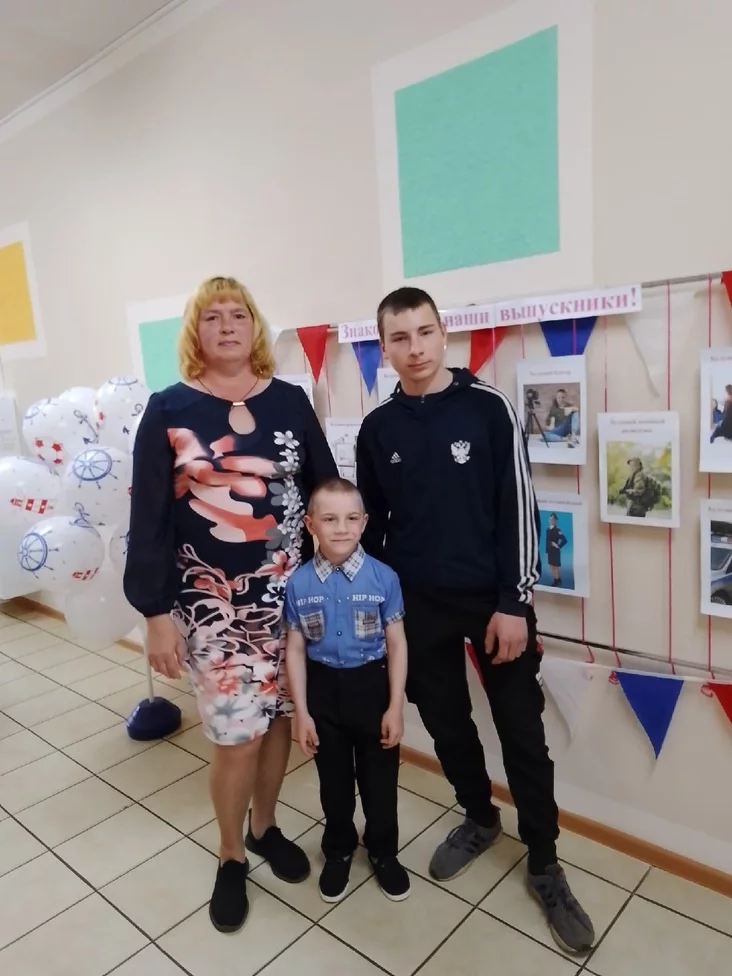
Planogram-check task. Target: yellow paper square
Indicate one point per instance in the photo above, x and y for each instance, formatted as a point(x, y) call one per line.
point(16, 309)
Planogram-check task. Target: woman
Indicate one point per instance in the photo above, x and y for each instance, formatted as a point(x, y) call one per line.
point(224, 463)
point(556, 540)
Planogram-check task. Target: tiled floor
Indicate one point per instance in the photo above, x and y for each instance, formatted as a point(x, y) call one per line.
point(107, 858)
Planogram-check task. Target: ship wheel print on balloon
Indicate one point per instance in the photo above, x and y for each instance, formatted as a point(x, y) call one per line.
point(33, 553)
point(94, 465)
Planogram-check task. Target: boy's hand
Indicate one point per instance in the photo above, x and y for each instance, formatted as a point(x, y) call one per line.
point(507, 636)
point(306, 735)
point(392, 727)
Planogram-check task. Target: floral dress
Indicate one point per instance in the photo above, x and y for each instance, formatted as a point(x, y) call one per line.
point(216, 530)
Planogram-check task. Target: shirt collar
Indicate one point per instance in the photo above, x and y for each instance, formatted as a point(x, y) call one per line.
point(324, 567)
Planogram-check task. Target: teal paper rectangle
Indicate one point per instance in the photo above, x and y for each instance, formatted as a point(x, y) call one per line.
point(478, 160)
point(159, 350)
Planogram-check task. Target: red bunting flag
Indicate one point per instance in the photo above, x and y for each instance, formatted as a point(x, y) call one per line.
point(473, 657)
point(727, 282)
point(483, 344)
point(724, 696)
point(313, 339)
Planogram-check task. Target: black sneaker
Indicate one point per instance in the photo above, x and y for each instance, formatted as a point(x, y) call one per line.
point(287, 861)
point(463, 845)
point(392, 878)
point(229, 904)
point(333, 884)
point(569, 923)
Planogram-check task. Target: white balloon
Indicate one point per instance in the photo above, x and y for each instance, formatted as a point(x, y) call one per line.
point(118, 546)
point(99, 611)
point(61, 551)
point(82, 397)
point(97, 484)
point(118, 402)
point(55, 430)
point(135, 426)
point(29, 489)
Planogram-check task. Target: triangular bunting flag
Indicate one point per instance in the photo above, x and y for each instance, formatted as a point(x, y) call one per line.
point(483, 344)
point(568, 337)
point(723, 694)
point(653, 698)
point(727, 282)
point(568, 683)
point(472, 655)
point(313, 340)
point(650, 331)
point(368, 354)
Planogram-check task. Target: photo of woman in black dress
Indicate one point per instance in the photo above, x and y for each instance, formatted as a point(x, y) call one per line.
point(556, 540)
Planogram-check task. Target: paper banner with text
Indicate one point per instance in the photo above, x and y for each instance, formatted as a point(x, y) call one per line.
point(368, 355)
point(568, 337)
point(653, 698)
point(483, 345)
point(313, 339)
point(568, 683)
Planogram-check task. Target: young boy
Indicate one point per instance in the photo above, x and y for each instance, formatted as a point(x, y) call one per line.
point(347, 667)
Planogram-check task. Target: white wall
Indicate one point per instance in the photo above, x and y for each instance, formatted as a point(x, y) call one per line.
point(244, 145)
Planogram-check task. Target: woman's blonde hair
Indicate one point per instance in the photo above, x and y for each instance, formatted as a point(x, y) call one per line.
point(189, 346)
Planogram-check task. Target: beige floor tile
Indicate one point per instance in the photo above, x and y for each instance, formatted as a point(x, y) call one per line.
point(16, 846)
point(487, 871)
point(117, 845)
point(598, 859)
point(38, 780)
point(78, 724)
point(512, 903)
point(301, 790)
point(52, 656)
point(297, 758)
point(152, 770)
point(8, 727)
point(292, 824)
point(166, 889)
point(408, 931)
point(149, 962)
point(23, 647)
point(466, 951)
point(105, 684)
point(186, 804)
point(182, 685)
point(188, 706)
point(200, 949)
point(426, 784)
point(318, 954)
point(650, 939)
point(688, 899)
point(415, 815)
point(304, 897)
point(124, 701)
point(20, 749)
point(79, 668)
point(63, 816)
point(87, 940)
point(193, 740)
point(13, 671)
point(31, 686)
point(32, 894)
point(107, 748)
point(15, 631)
point(124, 656)
point(46, 706)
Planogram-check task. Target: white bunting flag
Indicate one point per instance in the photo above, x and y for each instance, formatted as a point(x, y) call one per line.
point(568, 683)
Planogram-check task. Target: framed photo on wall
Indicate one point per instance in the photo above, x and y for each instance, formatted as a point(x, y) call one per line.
point(563, 544)
point(715, 410)
point(640, 480)
point(716, 557)
point(552, 402)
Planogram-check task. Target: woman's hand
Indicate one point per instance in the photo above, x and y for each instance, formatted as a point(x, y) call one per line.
point(166, 648)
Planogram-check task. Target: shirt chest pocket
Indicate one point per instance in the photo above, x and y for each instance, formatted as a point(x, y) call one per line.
point(312, 625)
point(367, 623)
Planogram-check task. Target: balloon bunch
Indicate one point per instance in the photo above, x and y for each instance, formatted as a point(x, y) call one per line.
point(78, 483)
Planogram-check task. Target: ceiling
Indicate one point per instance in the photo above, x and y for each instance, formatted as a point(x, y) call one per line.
point(42, 41)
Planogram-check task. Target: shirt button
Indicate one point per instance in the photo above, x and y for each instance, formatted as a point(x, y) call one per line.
point(339, 633)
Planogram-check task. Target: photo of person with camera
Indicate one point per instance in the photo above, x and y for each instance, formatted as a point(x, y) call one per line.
point(552, 414)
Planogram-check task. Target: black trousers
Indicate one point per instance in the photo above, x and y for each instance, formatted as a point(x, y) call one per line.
point(347, 705)
point(437, 623)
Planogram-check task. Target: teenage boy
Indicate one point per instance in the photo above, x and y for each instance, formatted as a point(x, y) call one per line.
point(347, 666)
point(444, 473)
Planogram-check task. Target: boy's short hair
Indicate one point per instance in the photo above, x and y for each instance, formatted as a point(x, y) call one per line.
point(403, 300)
point(338, 485)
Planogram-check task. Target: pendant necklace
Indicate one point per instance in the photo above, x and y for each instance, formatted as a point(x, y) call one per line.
point(234, 403)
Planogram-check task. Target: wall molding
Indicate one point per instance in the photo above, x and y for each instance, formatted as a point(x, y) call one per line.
point(171, 18)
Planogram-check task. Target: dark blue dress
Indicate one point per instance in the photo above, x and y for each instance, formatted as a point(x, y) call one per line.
point(216, 530)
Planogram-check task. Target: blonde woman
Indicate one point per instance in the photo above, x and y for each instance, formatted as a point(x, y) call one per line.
point(224, 464)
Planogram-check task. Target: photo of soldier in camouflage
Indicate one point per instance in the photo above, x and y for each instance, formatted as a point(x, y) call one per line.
point(639, 480)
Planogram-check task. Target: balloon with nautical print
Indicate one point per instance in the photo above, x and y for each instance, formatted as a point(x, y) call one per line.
point(29, 489)
point(61, 551)
point(55, 430)
point(97, 482)
point(118, 402)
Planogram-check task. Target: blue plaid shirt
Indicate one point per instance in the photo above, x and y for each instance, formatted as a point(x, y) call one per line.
point(342, 611)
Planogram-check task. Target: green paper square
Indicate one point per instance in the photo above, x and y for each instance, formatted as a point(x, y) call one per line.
point(159, 351)
point(478, 160)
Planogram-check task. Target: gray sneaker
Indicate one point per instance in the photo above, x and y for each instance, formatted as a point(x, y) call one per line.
point(568, 922)
point(461, 847)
